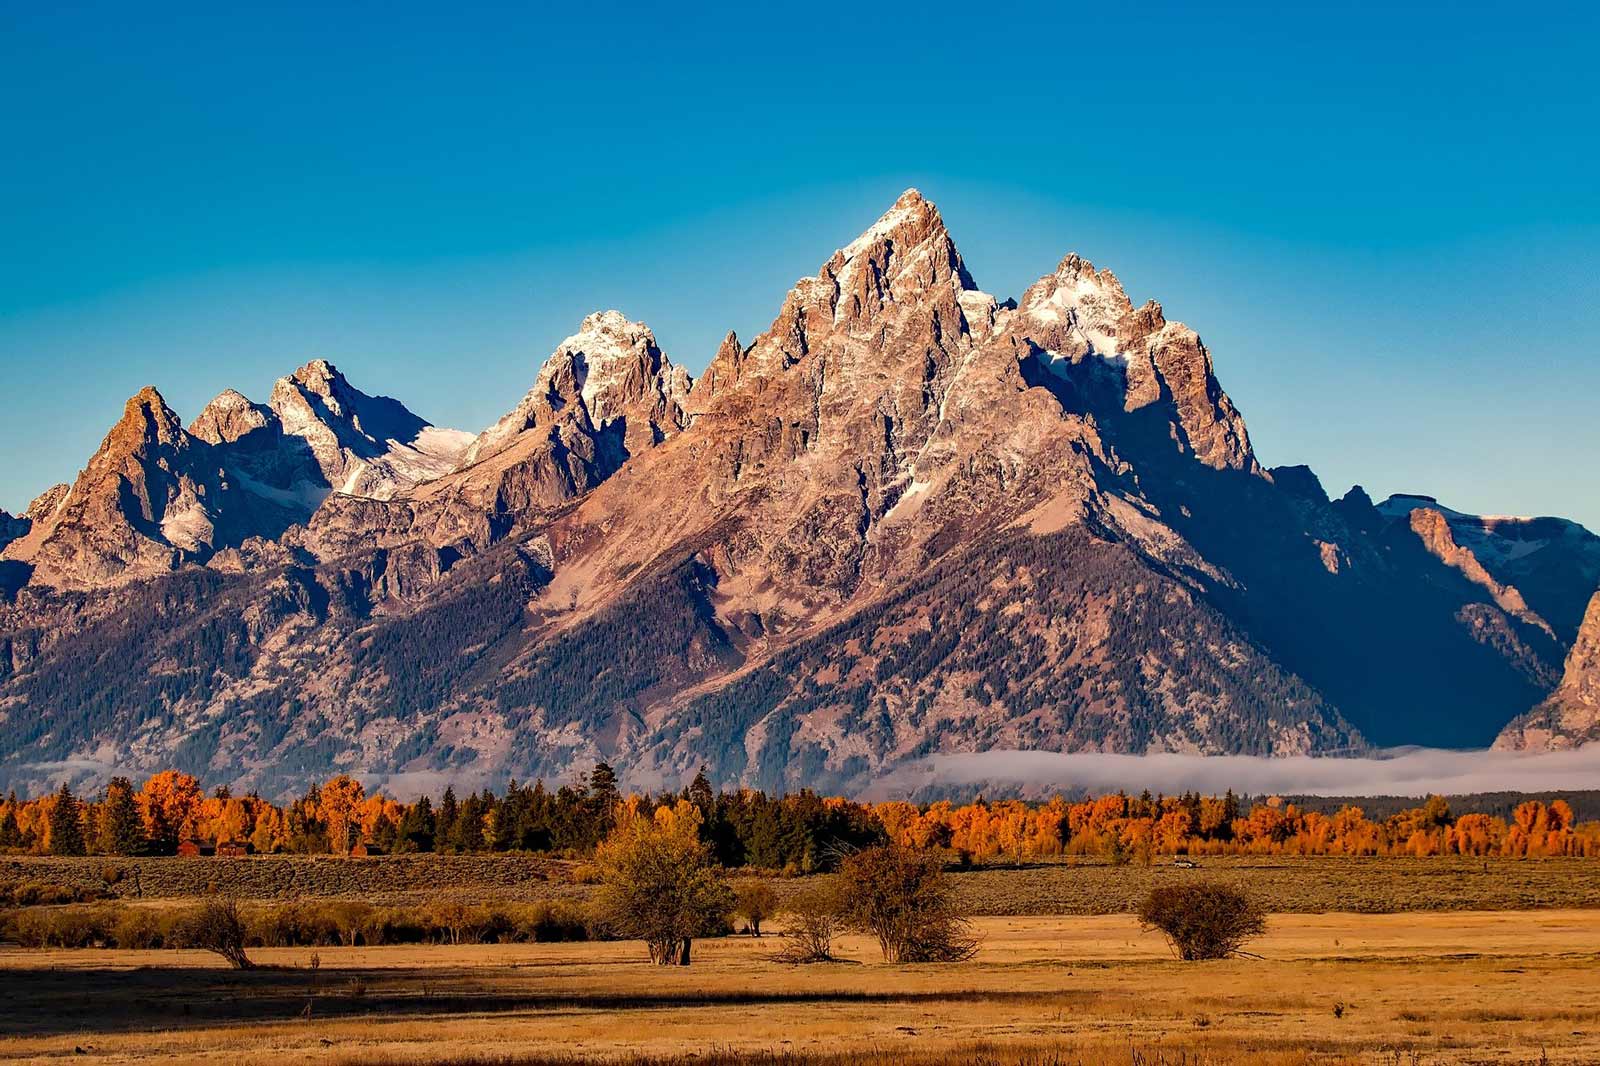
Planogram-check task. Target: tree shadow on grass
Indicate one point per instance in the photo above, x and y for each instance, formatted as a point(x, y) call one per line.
point(55, 1002)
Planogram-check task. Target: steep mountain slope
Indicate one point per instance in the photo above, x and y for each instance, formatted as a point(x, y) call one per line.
point(906, 518)
point(11, 527)
point(1570, 717)
point(1551, 563)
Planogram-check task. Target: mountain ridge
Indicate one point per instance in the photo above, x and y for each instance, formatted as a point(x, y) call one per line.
point(907, 517)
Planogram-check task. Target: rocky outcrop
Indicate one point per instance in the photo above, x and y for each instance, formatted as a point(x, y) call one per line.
point(1551, 563)
point(1433, 530)
point(362, 445)
point(11, 527)
point(145, 501)
point(1570, 717)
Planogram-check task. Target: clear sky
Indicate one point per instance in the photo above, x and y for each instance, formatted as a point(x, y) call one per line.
point(1382, 219)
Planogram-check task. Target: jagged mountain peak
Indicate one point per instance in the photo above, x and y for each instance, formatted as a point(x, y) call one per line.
point(898, 258)
point(146, 421)
point(614, 363)
point(611, 371)
point(363, 445)
point(47, 501)
point(229, 417)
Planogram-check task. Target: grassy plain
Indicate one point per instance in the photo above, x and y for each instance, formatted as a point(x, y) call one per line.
point(1442, 989)
point(1286, 884)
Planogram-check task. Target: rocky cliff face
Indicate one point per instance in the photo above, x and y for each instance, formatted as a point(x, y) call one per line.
point(1550, 563)
point(157, 496)
point(146, 501)
point(1570, 717)
point(907, 517)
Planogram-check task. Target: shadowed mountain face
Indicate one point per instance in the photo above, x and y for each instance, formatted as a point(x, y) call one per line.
point(906, 518)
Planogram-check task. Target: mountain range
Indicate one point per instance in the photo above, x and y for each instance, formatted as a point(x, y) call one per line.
point(907, 518)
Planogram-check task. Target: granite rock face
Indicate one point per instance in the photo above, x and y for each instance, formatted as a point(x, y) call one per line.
point(1570, 717)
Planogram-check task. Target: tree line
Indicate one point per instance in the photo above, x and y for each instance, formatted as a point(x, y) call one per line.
point(801, 832)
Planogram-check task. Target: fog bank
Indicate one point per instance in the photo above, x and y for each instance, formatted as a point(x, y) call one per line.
point(1402, 772)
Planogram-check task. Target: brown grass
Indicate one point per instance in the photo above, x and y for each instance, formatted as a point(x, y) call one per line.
point(1451, 989)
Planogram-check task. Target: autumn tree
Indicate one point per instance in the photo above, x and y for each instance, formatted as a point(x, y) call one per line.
point(657, 883)
point(66, 824)
point(338, 808)
point(1203, 920)
point(168, 803)
point(903, 898)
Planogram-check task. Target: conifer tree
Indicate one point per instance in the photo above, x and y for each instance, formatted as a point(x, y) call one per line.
point(121, 828)
point(66, 826)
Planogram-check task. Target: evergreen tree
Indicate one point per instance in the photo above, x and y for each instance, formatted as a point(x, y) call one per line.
point(121, 828)
point(416, 829)
point(466, 834)
point(603, 784)
point(10, 832)
point(66, 826)
point(444, 825)
point(700, 793)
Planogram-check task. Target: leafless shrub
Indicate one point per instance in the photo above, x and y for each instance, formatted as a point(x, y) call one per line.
point(811, 926)
point(1203, 920)
point(217, 925)
point(902, 897)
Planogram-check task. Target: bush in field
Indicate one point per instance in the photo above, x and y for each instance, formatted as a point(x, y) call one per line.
point(755, 902)
point(549, 922)
point(657, 883)
point(903, 898)
point(812, 923)
point(1204, 920)
point(217, 925)
point(138, 928)
point(65, 927)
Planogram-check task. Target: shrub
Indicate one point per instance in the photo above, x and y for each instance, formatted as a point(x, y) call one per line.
point(813, 919)
point(549, 922)
point(217, 926)
point(902, 897)
point(138, 929)
point(350, 921)
point(1204, 920)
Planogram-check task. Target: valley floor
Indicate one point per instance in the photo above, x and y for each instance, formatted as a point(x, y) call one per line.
point(1411, 989)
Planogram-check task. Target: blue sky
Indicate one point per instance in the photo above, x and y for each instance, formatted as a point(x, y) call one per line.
point(1382, 219)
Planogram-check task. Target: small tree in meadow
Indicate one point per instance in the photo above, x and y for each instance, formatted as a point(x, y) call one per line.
point(657, 883)
point(755, 902)
point(902, 897)
point(217, 926)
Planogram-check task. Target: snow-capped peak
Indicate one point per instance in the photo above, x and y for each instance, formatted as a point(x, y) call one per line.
point(1079, 300)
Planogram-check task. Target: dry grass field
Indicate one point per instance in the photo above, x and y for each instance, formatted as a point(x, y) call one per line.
point(1292, 885)
point(1339, 988)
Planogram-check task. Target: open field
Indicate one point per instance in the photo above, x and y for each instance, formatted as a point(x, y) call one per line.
point(1436, 989)
point(1286, 884)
